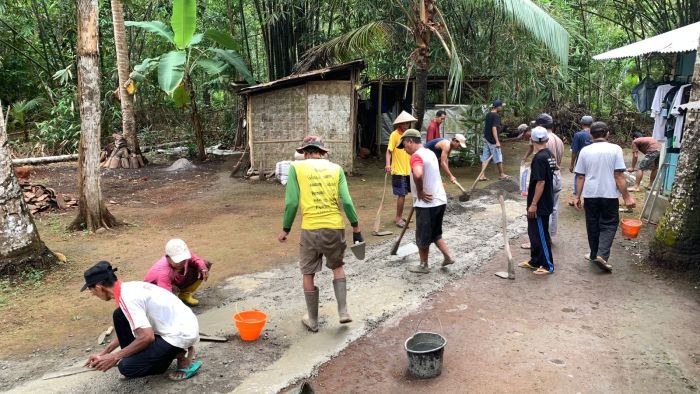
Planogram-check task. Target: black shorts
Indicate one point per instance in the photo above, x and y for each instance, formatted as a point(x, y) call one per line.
point(429, 225)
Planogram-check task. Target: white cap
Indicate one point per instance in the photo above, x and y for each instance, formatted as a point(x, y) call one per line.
point(462, 140)
point(539, 134)
point(177, 250)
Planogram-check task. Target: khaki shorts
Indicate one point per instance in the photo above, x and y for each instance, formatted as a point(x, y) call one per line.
point(315, 244)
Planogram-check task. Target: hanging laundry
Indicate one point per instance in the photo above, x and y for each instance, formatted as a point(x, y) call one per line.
point(656, 111)
point(643, 94)
point(682, 97)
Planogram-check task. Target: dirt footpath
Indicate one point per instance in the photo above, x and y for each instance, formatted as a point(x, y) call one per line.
point(577, 331)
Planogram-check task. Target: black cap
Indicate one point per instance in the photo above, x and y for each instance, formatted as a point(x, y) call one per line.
point(99, 272)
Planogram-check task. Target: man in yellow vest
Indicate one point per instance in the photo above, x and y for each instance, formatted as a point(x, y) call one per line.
point(316, 184)
point(398, 164)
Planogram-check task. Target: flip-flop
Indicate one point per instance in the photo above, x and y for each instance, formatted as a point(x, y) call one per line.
point(505, 178)
point(526, 264)
point(483, 179)
point(188, 372)
point(525, 245)
point(604, 265)
point(571, 203)
point(542, 271)
point(587, 257)
point(401, 224)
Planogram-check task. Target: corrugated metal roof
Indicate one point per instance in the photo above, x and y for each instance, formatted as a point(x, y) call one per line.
point(683, 39)
point(291, 79)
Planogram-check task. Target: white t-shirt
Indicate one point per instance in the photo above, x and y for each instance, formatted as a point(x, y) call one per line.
point(656, 111)
point(432, 183)
point(147, 305)
point(598, 162)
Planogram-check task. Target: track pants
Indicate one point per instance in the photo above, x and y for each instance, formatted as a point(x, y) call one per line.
point(540, 243)
point(153, 360)
point(602, 219)
point(554, 217)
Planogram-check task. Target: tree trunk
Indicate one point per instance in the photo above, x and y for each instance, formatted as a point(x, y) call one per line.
point(92, 212)
point(126, 99)
point(426, 12)
point(196, 120)
point(20, 245)
point(677, 241)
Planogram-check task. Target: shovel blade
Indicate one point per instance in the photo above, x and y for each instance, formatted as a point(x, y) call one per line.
point(358, 250)
point(381, 233)
point(406, 250)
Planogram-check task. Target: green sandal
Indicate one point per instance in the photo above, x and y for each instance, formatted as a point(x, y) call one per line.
point(188, 372)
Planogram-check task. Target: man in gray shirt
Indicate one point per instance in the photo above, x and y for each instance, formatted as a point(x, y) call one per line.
point(601, 181)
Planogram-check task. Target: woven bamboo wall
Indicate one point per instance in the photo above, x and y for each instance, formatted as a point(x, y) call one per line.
point(279, 120)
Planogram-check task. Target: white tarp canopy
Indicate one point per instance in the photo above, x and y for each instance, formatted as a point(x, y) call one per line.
point(684, 39)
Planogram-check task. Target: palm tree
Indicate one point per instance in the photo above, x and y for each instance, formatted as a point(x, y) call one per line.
point(126, 99)
point(677, 240)
point(93, 213)
point(20, 245)
point(425, 20)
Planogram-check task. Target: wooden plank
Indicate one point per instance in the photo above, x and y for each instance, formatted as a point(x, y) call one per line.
point(378, 127)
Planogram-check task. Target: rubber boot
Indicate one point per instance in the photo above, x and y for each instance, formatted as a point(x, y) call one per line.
point(339, 286)
point(186, 293)
point(310, 320)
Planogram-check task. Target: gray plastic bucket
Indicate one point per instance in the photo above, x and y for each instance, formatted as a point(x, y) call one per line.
point(425, 350)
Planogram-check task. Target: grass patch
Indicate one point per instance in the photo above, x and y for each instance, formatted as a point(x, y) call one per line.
point(12, 288)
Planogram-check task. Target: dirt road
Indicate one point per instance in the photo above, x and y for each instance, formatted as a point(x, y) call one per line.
point(577, 331)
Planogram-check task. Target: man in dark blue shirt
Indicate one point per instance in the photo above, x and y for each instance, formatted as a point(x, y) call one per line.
point(540, 204)
point(581, 139)
point(442, 147)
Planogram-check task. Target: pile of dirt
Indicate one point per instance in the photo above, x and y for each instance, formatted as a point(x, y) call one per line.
point(508, 187)
point(181, 165)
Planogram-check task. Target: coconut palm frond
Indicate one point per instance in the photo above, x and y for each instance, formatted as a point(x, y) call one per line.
point(456, 72)
point(539, 23)
point(355, 43)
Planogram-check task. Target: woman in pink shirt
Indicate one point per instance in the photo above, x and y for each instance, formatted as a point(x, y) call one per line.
point(181, 268)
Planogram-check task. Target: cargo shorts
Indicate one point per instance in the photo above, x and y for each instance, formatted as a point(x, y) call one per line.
point(315, 244)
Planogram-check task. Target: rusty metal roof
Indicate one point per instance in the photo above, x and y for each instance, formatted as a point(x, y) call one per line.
point(303, 77)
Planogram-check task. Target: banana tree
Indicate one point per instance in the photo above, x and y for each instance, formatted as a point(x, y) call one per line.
point(425, 21)
point(188, 60)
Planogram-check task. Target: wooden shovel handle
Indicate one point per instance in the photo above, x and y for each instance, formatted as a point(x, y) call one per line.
point(377, 219)
point(403, 230)
point(480, 174)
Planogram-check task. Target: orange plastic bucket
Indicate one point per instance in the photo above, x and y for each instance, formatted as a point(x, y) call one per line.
point(250, 323)
point(630, 228)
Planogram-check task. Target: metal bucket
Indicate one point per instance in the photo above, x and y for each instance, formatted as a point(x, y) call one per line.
point(425, 350)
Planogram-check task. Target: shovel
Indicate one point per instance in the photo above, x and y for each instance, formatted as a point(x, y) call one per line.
point(378, 218)
point(511, 265)
point(403, 231)
point(358, 250)
point(466, 196)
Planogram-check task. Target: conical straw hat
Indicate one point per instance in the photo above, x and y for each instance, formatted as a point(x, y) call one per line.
point(404, 117)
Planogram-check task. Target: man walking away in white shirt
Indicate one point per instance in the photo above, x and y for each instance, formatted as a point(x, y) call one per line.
point(601, 181)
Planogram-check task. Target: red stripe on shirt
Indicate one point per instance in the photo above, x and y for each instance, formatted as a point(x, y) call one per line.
point(416, 160)
point(122, 305)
